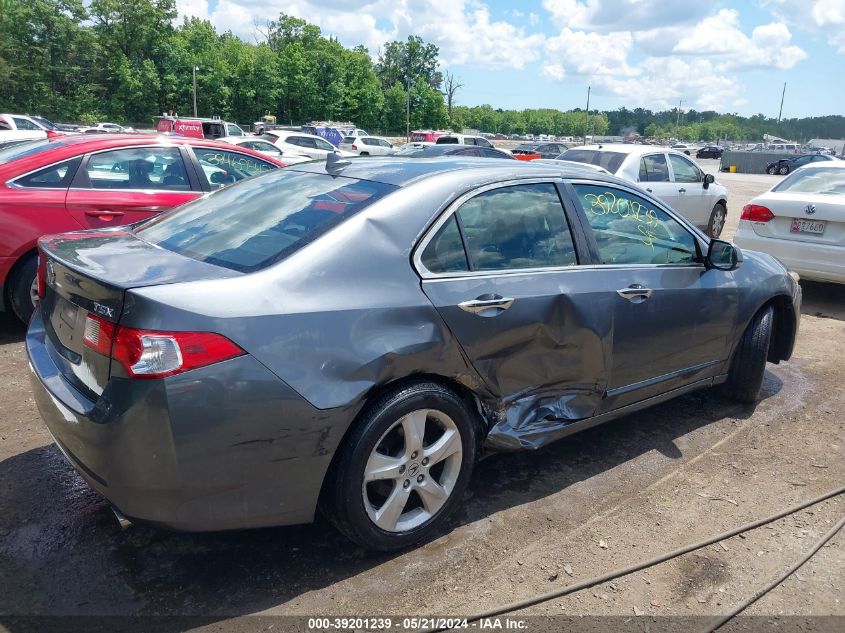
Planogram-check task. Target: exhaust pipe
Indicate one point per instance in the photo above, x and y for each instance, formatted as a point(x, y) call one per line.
point(124, 523)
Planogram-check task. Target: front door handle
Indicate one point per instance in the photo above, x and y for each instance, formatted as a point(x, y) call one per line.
point(635, 293)
point(104, 214)
point(682, 190)
point(486, 304)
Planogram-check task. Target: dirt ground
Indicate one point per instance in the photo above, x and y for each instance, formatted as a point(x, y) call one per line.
point(532, 521)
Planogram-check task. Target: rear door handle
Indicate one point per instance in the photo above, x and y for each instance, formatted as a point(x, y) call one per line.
point(635, 293)
point(479, 305)
point(682, 190)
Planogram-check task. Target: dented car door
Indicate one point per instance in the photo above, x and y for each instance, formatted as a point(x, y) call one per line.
point(502, 270)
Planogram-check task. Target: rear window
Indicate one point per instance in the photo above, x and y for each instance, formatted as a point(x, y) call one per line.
point(262, 220)
point(348, 139)
point(447, 140)
point(22, 151)
point(817, 181)
point(611, 161)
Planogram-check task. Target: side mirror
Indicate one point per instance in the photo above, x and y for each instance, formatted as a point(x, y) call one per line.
point(709, 179)
point(723, 255)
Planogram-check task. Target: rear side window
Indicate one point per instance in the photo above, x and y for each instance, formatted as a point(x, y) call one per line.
point(653, 168)
point(54, 177)
point(263, 220)
point(447, 140)
point(445, 253)
point(611, 161)
point(522, 226)
point(222, 167)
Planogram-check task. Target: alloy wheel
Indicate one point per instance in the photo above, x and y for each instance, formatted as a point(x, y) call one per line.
point(412, 471)
point(718, 223)
point(33, 292)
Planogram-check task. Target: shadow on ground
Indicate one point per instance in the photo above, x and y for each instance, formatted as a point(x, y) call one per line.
point(62, 552)
point(823, 300)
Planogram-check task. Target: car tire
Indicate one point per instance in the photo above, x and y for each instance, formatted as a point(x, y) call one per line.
point(686, 152)
point(749, 362)
point(783, 170)
point(20, 294)
point(717, 220)
point(771, 169)
point(359, 509)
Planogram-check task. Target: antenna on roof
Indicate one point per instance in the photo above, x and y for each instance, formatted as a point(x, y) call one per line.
point(335, 163)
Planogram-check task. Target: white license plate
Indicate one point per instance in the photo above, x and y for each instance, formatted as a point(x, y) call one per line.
point(807, 226)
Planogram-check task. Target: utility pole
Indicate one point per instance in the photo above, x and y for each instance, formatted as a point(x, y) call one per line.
point(587, 116)
point(408, 110)
point(783, 94)
point(195, 69)
point(678, 120)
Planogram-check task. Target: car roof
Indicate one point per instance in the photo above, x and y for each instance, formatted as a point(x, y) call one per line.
point(623, 148)
point(402, 171)
point(822, 164)
point(283, 134)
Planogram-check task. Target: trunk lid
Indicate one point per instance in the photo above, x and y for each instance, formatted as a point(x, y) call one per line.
point(89, 272)
point(818, 219)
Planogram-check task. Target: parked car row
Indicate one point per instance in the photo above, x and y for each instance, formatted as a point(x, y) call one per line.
point(86, 181)
point(784, 166)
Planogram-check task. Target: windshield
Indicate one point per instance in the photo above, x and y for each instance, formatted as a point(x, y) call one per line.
point(261, 221)
point(817, 181)
point(47, 124)
point(611, 161)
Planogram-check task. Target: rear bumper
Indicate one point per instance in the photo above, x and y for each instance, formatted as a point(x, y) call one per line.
point(223, 447)
point(819, 262)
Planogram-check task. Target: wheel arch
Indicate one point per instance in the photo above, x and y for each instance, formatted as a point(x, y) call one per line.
point(785, 328)
point(6, 286)
point(471, 400)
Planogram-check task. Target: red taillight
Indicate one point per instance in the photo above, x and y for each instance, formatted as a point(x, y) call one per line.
point(354, 148)
point(756, 213)
point(41, 276)
point(155, 354)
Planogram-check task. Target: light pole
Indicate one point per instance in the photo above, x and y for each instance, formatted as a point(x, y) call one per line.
point(408, 110)
point(194, 70)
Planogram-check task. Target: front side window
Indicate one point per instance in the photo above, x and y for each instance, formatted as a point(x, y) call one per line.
point(325, 145)
point(263, 146)
point(261, 221)
point(522, 226)
point(137, 168)
point(483, 142)
point(684, 170)
point(234, 130)
point(53, 177)
point(631, 230)
point(223, 167)
point(653, 168)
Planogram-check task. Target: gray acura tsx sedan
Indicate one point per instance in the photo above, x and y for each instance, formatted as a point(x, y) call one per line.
point(350, 335)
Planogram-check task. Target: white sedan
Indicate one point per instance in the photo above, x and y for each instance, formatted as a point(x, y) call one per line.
point(801, 221)
point(302, 143)
point(267, 148)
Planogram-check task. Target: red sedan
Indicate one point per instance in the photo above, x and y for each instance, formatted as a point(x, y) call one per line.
point(86, 182)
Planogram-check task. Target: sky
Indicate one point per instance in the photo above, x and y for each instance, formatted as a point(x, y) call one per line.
point(724, 55)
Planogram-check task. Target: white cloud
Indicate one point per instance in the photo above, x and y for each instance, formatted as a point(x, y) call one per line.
point(823, 16)
point(463, 29)
point(662, 82)
point(624, 15)
point(721, 37)
point(588, 53)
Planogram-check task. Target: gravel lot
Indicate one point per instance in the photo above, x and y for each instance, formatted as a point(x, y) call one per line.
point(606, 498)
